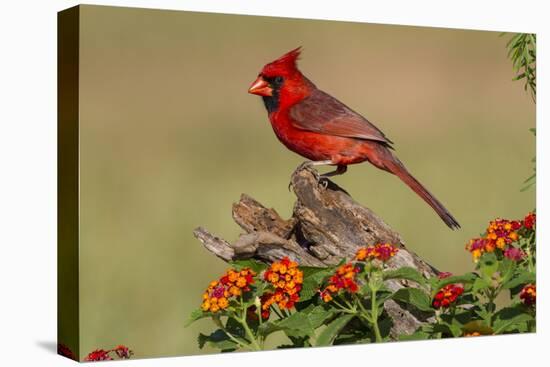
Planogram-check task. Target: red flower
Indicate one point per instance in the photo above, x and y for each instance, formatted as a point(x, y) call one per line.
point(447, 296)
point(444, 274)
point(528, 294)
point(98, 355)
point(530, 220)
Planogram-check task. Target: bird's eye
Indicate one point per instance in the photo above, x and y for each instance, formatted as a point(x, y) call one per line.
point(278, 79)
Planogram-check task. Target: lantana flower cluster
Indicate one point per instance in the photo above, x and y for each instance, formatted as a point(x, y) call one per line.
point(500, 235)
point(232, 284)
point(120, 351)
point(287, 280)
point(343, 279)
point(380, 251)
point(447, 296)
point(528, 295)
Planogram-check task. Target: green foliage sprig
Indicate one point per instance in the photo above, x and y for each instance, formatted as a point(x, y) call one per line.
point(522, 51)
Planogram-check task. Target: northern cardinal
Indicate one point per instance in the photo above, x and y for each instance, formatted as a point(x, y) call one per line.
point(322, 129)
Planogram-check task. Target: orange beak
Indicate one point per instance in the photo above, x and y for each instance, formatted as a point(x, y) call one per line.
point(261, 88)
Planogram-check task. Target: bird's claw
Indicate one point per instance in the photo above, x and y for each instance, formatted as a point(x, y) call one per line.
point(323, 182)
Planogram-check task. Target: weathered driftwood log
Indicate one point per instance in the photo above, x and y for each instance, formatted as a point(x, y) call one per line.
point(326, 226)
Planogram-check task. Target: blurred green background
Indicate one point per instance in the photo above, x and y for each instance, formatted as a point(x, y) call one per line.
point(170, 139)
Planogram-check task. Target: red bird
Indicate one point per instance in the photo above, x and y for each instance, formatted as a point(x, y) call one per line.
point(317, 126)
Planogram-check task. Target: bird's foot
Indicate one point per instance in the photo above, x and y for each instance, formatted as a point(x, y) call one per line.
point(309, 165)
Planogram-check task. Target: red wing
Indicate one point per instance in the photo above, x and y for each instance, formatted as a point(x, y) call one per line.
point(324, 114)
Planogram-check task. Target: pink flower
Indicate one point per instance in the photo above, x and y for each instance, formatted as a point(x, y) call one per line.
point(514, 253)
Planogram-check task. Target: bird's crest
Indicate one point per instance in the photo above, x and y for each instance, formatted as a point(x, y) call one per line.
point(284, 64)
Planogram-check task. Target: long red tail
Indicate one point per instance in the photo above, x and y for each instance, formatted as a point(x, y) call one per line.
point(398, 169)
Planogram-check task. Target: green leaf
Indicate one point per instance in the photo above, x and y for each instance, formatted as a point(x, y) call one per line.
point(417, 335)
point(219, 340)
point(510, 318)
point(521, 279)
point(488, 265)
point(415, 297)
point(463, 279)
point(313, 278)
point(196, 315)
point(327, 336)
point(318, 315)
point(405, 272)
point(268, 327)
point(506, 269)
point(480, 284)
point(296, 325)
point(446, 330)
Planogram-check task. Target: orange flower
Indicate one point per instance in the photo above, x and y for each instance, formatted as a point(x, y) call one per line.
point(287, 279)
point(380, 251)
point(343, 279)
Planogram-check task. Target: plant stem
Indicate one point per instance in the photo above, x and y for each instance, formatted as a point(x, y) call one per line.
point(344, 308)
point(248, 332)
point(374, 312)
point(490, 306)
point(219, 324)
point(277, 312)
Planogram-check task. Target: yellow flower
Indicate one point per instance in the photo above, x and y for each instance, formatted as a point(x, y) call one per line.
point(223, 303)
point(235, 291)
point(241, 282)
point(290, 285)
point(232, 276)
